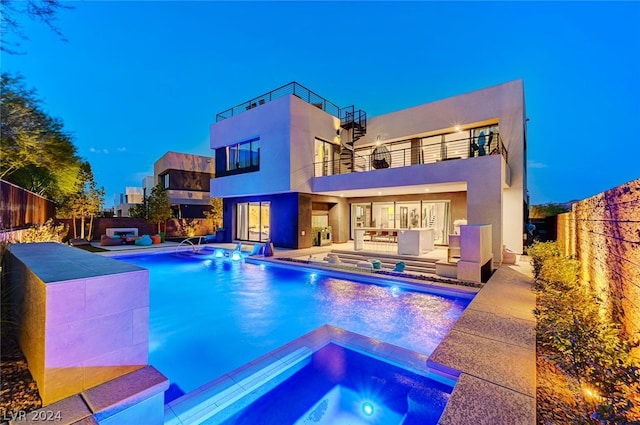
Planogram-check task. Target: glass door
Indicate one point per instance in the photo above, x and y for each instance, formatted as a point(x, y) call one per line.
point(265, 210)
point(360, 217)
point(252, 221)
point(436, 216)
point(242, 218)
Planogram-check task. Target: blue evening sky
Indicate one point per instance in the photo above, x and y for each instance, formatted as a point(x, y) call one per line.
point(137, 79)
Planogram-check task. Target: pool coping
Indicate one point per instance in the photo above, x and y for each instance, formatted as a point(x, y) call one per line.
point(208, 400)
point(493, 347)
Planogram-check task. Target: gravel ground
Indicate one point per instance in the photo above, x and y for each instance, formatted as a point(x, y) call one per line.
point(18, 390)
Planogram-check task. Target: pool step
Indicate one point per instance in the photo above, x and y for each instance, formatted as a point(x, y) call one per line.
point(414, 264)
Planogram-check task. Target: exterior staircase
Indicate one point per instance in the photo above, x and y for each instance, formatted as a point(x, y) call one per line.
point(354, 125)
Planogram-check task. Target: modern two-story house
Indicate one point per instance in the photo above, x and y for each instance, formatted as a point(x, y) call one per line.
point(186, 178)
point(289, 161)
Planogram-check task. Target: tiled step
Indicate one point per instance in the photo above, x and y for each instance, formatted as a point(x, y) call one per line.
point(420, 265)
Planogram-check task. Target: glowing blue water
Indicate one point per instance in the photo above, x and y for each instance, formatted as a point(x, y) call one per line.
point(210, 316)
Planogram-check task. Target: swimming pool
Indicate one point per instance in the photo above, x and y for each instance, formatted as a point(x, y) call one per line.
point(337, 385)
point(209, 316)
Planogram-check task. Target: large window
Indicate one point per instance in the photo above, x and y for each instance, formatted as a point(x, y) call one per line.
point(252, 221)
point(404, 215)
point(243, 157)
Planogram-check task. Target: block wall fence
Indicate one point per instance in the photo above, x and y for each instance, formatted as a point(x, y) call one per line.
point(603, 232)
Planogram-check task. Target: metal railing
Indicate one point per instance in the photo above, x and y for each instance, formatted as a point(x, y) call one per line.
point(292, 88)
point(367, 159)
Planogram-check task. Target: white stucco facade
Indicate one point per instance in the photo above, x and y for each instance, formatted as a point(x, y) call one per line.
point(288, 127)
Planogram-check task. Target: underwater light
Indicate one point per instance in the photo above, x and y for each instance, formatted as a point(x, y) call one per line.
point(207, 262)
point(394, 291)
point(367, 408)
point(218, 253)
point(236, 256)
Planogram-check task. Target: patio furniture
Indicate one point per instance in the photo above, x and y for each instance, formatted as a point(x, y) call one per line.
point(333, 259)
point(257, 249)
point(268, 249)
point(400, 265)
point(508, 256)
point(156, 239)
point(364, 264)
point(145, 240)
point(376, 264)
point(106, 240)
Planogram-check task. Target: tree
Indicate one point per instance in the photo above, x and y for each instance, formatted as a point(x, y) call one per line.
point(86, 200)
point(44, 11)
point(140, 210)
point(159, 205)
point(35, 151)
point(548, 210)
point(215, 213)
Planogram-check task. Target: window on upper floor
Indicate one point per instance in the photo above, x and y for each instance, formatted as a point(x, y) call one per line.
point(196, 181)
point(238, 158)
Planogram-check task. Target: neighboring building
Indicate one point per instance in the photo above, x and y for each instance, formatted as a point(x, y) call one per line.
point(147, 185)
point(187, 180)
point(125, 201)
point(290, 160)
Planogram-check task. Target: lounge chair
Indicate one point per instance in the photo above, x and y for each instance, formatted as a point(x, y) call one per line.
point(257, 249)
point(363, 264)
point(376, 264)
point(399, 266)
point(333, 259)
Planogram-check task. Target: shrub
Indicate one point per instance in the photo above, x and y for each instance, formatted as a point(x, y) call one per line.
point(539, 252)
point(582, 342)
point(47, 232)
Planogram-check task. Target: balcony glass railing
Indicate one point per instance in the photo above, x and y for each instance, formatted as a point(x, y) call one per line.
point(398, 155)
point(292, 88)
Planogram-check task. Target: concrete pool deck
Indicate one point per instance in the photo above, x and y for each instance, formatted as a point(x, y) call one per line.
point(493, 345)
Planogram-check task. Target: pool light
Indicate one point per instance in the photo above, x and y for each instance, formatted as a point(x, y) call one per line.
point(218, 253)
point(207, 263)
point(367, 408)
point(236, 256)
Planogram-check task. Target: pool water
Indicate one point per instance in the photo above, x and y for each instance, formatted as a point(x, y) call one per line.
point(341, 386)
point(209, 316)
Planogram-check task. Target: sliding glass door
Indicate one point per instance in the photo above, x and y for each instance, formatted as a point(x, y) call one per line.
point(252, 221)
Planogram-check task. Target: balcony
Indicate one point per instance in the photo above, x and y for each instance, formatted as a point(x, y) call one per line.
point(397, 155)
point(292, 88)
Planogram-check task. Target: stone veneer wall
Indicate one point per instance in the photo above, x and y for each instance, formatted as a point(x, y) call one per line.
point(84, 319)
point(603, 232)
